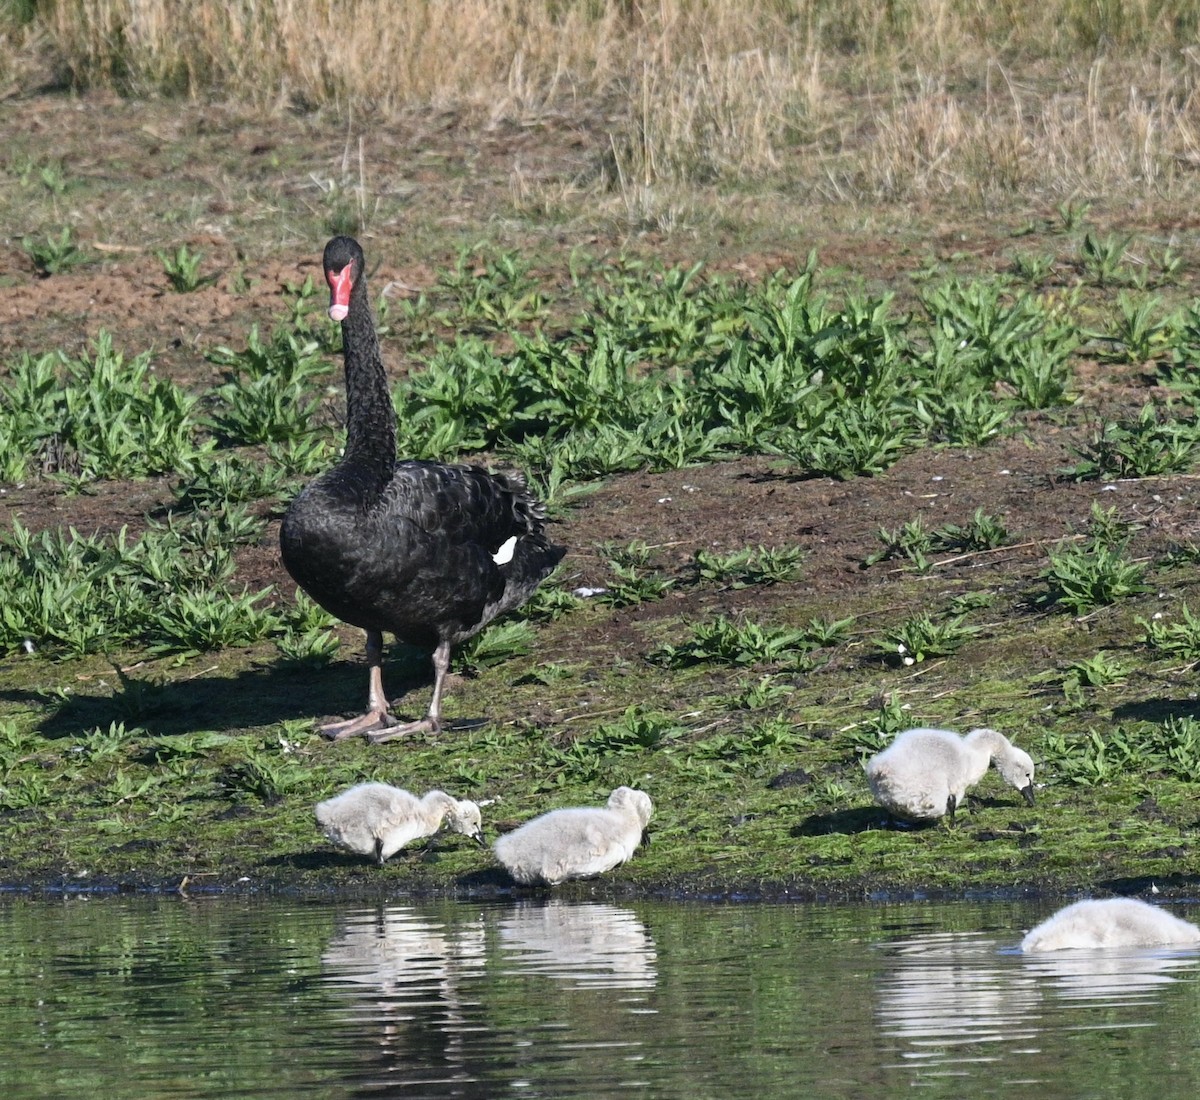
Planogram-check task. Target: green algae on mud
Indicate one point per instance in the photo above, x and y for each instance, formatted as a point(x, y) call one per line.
point(207, 769)
point(144, 769)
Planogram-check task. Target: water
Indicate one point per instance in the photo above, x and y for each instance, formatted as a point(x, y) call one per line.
point(171, 997)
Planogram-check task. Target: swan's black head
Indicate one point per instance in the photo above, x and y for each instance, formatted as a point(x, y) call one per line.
point(343, 263)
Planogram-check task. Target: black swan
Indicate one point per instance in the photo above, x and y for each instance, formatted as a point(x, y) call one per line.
point(428, 551)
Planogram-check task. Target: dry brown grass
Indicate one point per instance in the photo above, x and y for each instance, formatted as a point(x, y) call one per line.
point(1106, 129)
point(845, 96)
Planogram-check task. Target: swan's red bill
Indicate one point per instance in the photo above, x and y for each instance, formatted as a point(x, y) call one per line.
point(339, 291)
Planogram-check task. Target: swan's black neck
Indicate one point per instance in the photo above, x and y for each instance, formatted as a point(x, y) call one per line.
point(370, 417)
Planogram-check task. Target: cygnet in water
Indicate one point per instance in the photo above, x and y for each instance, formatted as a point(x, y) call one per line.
point(1110, 922)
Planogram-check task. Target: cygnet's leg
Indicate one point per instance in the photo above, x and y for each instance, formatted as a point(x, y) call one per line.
point(432, 722)
point(377, 715)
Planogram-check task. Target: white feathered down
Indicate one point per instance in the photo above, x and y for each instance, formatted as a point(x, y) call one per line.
point(925, 773)
point(376, 819)
point(1110, 922)
point(579, 842)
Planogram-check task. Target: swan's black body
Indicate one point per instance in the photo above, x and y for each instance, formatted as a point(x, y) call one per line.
point(427, 551)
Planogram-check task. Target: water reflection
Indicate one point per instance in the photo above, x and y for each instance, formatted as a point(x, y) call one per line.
point(953, 990)
point(225, 997)
point(961, 998)
point(404, 975)
point(1128, 977)
point(584, 946)
point(451, 1006)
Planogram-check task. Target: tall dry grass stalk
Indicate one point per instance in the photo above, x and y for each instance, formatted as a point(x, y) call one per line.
point(883, 99)
point(1107, 130)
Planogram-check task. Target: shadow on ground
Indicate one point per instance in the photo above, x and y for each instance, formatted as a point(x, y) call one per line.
point(249, 698)
point(860, 820)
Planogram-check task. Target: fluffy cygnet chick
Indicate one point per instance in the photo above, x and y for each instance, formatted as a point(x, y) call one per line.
point(376, 819)
point(925, 773)
point(576, 843)
point(1110, 922)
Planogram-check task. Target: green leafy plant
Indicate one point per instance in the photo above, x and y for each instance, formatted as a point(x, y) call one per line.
point(1156, 443)
point(1137, 328)
point(266, 776)
point(1180, 638)
point(99, 415)
point(824, 631)
point(52, 254)
point(183, 270)
point(500, 642)
point(269, 395)
point(1084, 577)
point(1033, 268)
point(723, 641)
point(1103, 260)
point(850, 440)
point(1071, 213)
point(1102, 670)
point(760, 693)
point(921, 637)
point(749, 566)
point(1092, 759)
point(913, 540)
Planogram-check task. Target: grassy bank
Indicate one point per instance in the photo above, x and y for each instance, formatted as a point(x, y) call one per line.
point(851, 435)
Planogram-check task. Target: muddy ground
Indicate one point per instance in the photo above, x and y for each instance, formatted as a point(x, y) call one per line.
point(254, 196)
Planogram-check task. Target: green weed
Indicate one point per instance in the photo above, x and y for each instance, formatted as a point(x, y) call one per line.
point(1103, 261)
point(53, 255)
point(1180, 639)
point(500, 642)
point(921, 637)
point(749, 566)
point(99, 415)
point(1138, 330)
point(183, 270)
point(1155, 443)
point(1102, 670)
point(763, 692)
point(1082, 578)
point(491, 288)
point(269, 394)
point(723, 641)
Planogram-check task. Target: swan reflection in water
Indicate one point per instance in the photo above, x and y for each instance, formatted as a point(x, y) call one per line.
point(429, 997)
point(406, 975)
point(961, 997)
point(946, 993)
point(584, 946)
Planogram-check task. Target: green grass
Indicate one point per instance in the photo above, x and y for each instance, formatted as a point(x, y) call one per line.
point(164, 718)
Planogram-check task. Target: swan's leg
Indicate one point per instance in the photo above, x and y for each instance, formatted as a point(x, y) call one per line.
point(432, 722)
point(377, 715)
point(951, 806)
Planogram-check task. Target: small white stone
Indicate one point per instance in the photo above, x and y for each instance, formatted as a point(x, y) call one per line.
point(664, 500)
point(585, 593)
point(28, 645)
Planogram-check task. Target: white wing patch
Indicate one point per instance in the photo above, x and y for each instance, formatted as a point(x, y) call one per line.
point(505, 554)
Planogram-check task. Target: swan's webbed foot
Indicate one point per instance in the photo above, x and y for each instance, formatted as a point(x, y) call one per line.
point(395, 729)
point(376, 716)
point(364, 723)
